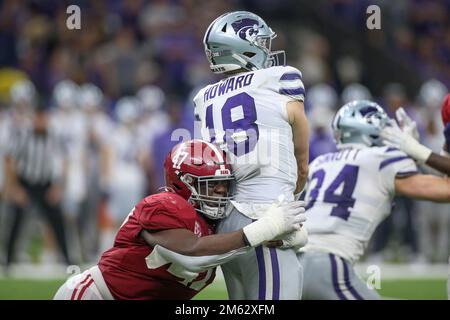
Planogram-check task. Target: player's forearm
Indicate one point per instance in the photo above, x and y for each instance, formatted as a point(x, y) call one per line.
point(198, 263)
point(424, 187)
point(186, 243)
point(439, 190)
point(217, 244)
point(439, 163)
point(302, 177)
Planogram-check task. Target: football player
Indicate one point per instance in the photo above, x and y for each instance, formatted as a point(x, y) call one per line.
point(150, 256)
point(406, 140)
point(256, 114)
point(349, 193)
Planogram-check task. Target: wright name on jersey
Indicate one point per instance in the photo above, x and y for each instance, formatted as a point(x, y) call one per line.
point(245, 114)
point(349, 193)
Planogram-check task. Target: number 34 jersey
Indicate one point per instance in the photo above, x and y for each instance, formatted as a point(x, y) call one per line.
point(348, 194)
point(246, 116)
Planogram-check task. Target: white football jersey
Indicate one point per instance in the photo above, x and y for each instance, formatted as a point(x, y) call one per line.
point(245, 114)
point(349, 193)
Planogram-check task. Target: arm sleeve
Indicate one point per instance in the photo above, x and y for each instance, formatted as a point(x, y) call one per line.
point(395, 164)
point(195, 264)
point(290, 83)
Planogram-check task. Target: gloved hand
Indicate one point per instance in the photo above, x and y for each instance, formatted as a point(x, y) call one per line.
point(278, 220)
point(295, 240)
point(392, 135)
point(407, 124)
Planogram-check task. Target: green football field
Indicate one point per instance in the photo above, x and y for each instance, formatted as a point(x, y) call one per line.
point(435, 289)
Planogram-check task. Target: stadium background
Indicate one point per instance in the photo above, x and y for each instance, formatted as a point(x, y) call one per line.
point(125, 46)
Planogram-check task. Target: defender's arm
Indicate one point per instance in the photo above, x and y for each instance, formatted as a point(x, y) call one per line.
point(278, 220)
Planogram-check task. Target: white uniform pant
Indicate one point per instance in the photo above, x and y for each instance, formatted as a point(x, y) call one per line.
point(88, 285)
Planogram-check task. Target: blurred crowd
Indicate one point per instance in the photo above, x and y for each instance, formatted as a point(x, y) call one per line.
point(417, 30)
point(114, 91)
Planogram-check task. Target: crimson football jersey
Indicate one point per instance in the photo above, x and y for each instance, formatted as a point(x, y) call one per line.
point(124, 266)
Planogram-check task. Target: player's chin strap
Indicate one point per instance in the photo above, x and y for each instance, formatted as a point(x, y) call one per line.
point(228, 67)
point(245, 63)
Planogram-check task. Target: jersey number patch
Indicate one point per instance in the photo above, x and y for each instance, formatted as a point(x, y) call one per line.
point(236, 129)
point(344, 201)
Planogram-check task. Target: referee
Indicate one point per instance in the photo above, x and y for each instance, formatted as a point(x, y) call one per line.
point(35, 169)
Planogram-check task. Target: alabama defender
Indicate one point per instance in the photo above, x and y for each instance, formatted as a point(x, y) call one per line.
point(145, 262)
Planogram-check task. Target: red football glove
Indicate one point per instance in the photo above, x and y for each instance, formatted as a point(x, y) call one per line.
point(445, 111)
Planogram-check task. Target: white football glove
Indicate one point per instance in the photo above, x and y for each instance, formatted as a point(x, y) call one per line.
point(295, 239)
point(278, 220)
point(394, 136)
point(407, 124)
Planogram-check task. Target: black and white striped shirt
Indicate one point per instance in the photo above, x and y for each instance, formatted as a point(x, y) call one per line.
point(38, 157)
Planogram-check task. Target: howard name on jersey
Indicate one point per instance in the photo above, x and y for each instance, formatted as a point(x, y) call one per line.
point(349, 193)
point(246, 116)
point(124, 266)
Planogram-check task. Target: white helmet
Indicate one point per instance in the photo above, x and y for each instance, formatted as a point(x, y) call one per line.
point(355, 91)
point(65, 94)
point(324, 95)
point(128, 109)
point(23, 92)
point(432, 93)
point(90, 97)
point(151, 97)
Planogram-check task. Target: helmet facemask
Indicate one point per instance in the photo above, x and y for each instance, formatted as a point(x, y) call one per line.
point(210, 194)
point(378, 121)
point(274, 58)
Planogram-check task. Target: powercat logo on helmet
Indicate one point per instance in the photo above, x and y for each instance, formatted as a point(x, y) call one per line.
point(246, 28)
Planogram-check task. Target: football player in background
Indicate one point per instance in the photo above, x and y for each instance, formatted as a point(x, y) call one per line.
point(349, 193)
point(406, 139)
point(165, 249)
point(256, 114)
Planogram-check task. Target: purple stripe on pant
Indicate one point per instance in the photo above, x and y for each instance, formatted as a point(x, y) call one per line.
point(334, 277)
point(262, 272)
point(275, 274)
point(348, 284)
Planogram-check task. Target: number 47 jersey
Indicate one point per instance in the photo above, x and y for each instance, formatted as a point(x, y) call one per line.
point(348, 194)
point(245, 114)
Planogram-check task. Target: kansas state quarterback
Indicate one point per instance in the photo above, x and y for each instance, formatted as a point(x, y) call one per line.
point(256, 115)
